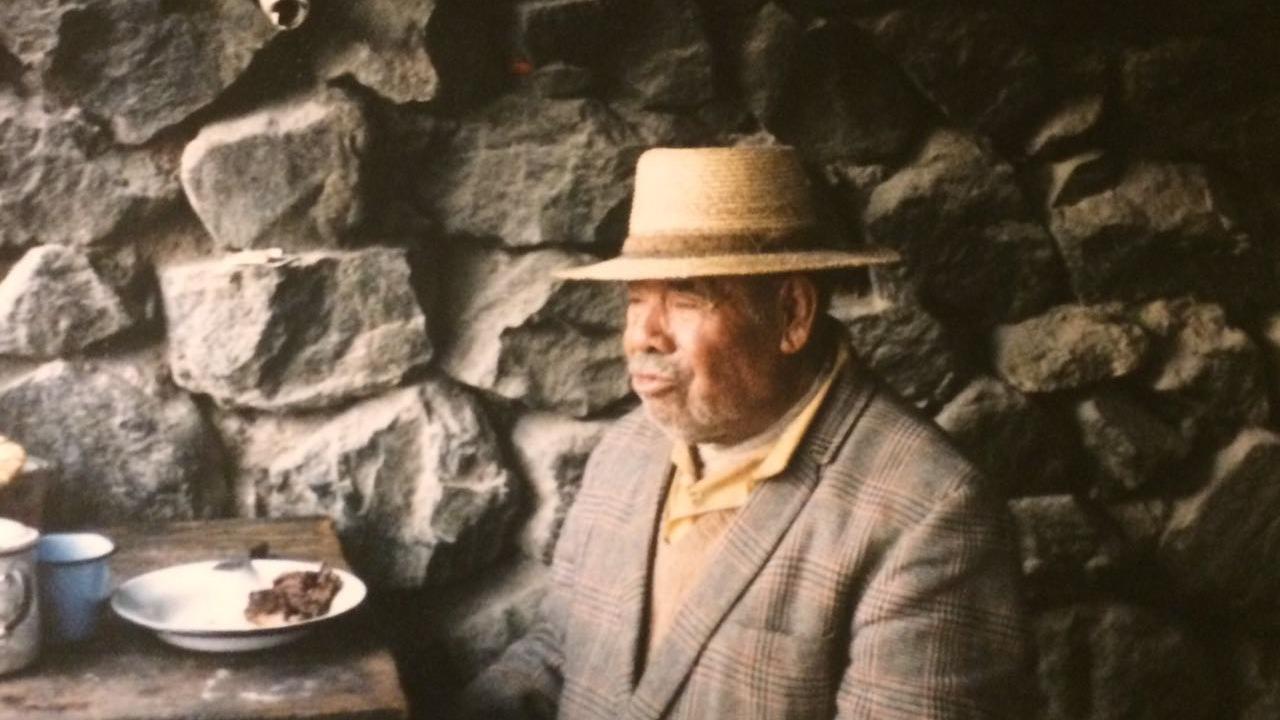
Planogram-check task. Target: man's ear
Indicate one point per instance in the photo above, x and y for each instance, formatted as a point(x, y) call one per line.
point(798, 302)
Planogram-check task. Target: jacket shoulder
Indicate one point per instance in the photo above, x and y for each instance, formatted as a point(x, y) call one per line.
point(897, 456)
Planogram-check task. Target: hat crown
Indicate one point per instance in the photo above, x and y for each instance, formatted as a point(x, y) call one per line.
point(720, 191)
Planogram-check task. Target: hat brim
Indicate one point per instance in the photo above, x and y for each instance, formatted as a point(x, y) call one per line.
point(676, 268)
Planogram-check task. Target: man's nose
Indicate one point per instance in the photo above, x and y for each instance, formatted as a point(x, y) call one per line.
point(646, 329)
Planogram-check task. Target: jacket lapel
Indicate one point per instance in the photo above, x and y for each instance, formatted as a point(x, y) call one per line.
point(746, 547)
point(649, 475)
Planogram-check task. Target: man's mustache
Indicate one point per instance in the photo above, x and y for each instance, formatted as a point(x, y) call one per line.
point(652, 363)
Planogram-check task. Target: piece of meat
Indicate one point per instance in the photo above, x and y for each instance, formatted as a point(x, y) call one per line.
point(294, 596)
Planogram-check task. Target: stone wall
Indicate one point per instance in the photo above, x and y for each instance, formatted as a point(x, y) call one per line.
point(249, 271)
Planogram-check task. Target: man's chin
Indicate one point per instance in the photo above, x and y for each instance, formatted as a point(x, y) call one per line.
point(676, 425)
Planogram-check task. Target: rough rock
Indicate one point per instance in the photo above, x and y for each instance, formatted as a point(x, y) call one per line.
point(968, 241)
point(1069, 347)
point(906, 346)
point(287, 175)
point(53, 303)
point(853, 183)
point(1018, 443)
point(1211, 96)
point(474, 628)
point(414, 481)
point(834, 96)
point(1071, 180)
point(139, 66)
point(299, 331)
point(975, 63)
point(1067, 129)
point(1065, 553)
point(126, 451)
point(1270, 337)
point(565, 31)
point(552, 451)
point(661, 54)
point(1206, 375)
point(1233, 517)
point(1129, 448)
point(534, 172)
point(514, 330)
point(381, 44)
point(1108, 661)
point(1254, 662)
point(61, 182)
point(765, 57)
point(558, 80)
point(1163, 230)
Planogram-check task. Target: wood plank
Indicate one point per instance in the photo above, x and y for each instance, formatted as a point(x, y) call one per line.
point(124, 673)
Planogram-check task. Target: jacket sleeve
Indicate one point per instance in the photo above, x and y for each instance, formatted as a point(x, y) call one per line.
point(525, 681)
point(939, 632)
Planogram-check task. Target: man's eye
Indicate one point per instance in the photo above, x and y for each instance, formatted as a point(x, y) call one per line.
point(686, 302)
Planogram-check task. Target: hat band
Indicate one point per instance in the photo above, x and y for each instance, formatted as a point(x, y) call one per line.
point(705, 245)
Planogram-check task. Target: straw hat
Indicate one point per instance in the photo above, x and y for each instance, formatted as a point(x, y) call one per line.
point(723, 211)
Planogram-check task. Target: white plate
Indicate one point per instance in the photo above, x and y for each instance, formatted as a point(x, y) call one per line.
point(196, 607)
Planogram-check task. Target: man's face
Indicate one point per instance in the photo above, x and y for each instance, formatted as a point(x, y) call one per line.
point(704, 356)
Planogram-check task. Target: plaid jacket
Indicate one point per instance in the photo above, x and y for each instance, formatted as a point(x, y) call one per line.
point(871, 579)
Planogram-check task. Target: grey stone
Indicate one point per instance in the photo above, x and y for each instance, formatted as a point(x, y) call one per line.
point(61, 182)
point(1064, 551)
point(1070, 346)
point(552, 451)
point(1113, 661)
point(1204, 95)
point(977, 64)
point(381, 44)
point(1270, 337)
point(300, 331)
point(827, 91)
point(139, 66)
point(917, 355)
point(474, 626)
point(253, 441)
point(53, 303)
point(1071, 180)
point(1075, 123)
point(1163, 230)
point(1019, 445)
point(559, 80)
point(1129, 448)
point(515, 331)
point(854, 183)
point(1205, 375)
point(568, 31)
point(1232, 518)
point(533, 172)
point(414, 481)
point(1253, 660)
point(661, 54)
point(286, 175)
point(1073, 548)
point(766, 56)
point(1139, 522)
point(128, 450)
point(968, 241)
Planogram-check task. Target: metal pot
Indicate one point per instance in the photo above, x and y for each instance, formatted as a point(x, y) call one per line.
point(19, 601)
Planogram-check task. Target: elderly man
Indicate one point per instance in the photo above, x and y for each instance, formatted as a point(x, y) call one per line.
point(774, 534)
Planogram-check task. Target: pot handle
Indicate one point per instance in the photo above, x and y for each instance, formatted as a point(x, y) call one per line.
point(26, 587)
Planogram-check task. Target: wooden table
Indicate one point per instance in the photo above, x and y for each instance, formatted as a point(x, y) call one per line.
point(342, 670)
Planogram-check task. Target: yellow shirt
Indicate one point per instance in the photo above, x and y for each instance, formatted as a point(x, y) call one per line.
point(691, 496)
point(699, 512)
